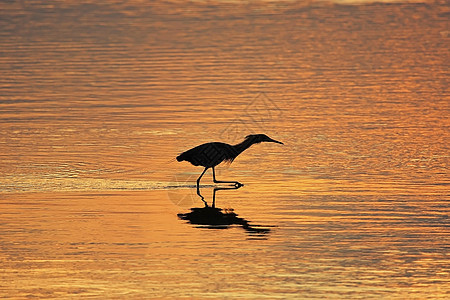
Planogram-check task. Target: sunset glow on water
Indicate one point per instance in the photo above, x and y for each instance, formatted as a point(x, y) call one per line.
point(97, 98)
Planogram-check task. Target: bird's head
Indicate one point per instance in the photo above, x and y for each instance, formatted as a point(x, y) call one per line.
point(258, 138)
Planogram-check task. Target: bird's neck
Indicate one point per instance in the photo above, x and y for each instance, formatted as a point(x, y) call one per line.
point(242, 146)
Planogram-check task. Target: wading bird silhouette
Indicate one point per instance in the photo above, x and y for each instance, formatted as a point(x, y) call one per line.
point(210, 155)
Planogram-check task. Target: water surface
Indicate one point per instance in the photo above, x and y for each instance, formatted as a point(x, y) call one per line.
point(98, 98)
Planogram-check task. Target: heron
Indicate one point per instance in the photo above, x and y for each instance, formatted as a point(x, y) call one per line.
point(209, 155)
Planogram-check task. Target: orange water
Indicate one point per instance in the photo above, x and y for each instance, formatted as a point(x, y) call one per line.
point(98, 98)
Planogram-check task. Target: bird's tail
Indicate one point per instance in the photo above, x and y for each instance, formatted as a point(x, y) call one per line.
point(180, 157)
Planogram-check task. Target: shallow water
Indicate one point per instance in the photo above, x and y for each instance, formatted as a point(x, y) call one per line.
point(98, 98)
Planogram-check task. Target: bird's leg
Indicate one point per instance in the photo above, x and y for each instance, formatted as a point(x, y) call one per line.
point(236, 184)
point(198, 186)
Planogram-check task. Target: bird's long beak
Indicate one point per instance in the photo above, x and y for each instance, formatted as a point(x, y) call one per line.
point(274, 141)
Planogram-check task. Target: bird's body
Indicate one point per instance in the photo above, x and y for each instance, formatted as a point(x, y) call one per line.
point(210, 155)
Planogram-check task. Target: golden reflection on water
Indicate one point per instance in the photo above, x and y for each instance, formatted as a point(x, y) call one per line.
point(99, 98)
point(131, 243)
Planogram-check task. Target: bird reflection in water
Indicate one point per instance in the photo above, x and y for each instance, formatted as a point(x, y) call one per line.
point(218, 218)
